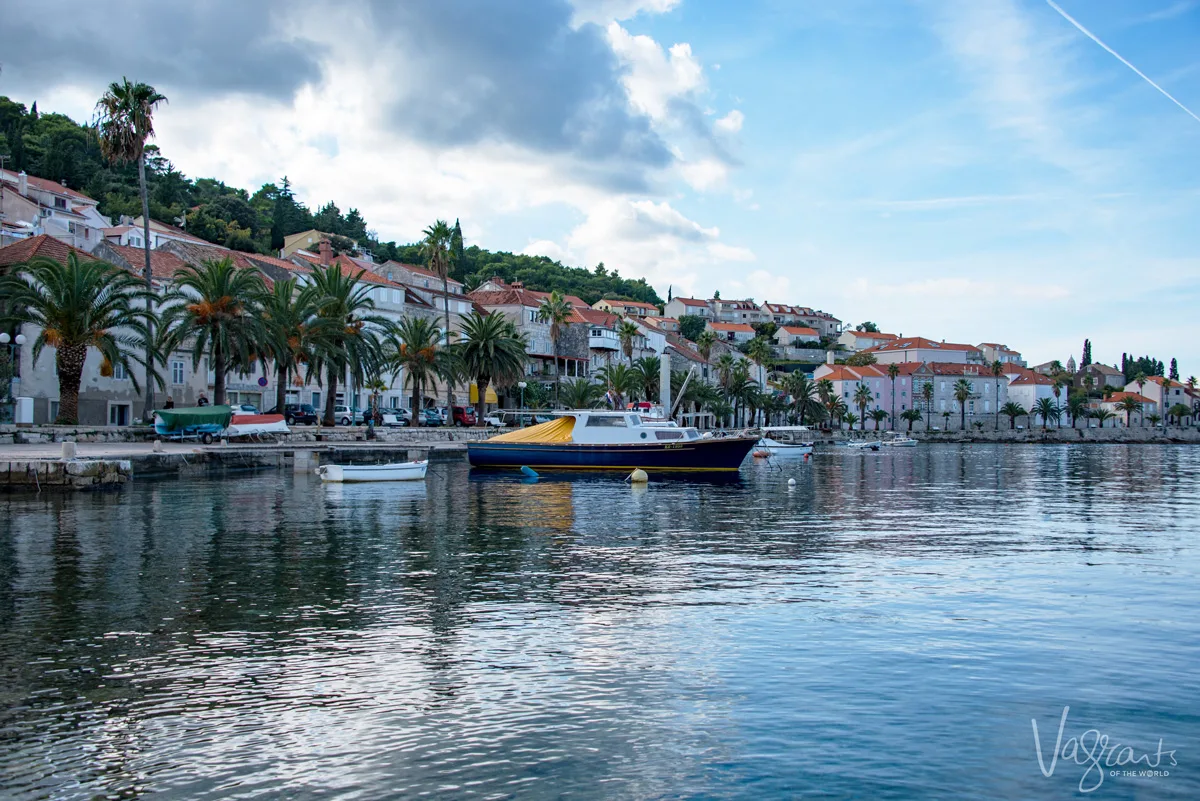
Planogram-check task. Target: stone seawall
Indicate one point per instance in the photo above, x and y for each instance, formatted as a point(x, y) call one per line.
point(1051, 436)
point(33, 435)
point(59, 474)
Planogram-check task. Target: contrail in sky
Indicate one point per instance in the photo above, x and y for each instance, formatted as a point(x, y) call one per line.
point(1118, 56)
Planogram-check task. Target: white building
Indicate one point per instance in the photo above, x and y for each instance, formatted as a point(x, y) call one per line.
point(920, 349)
point(678, 307)
point(30, 206)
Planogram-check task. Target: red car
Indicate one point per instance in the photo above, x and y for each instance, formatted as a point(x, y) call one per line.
point(464, 416)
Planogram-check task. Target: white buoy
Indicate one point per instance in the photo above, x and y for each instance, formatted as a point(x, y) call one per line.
point(638, 477)
point(791, 482)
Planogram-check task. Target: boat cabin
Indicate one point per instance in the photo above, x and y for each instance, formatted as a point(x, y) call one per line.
point(598, 427)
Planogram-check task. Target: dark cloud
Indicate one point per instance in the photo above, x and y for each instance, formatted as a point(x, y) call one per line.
point(515, 72)
point(209, 47)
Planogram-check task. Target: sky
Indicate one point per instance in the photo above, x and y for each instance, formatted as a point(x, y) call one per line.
point(979, 171)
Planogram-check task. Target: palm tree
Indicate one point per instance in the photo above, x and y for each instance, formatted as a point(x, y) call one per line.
point(215, 308)
point(862, 397)
point(491, 350)
point(850, 419)
point(946, 420)
point(759, 351)
point(997, 371)
point(1129, 405)
point(893, 371)
point(705, 342)
point(1012, 411)
point(78, 305)
point(1102, 414)
point(621, 379)
point(1179, 411)
point(927, 396)
point(962, 393)
point(803, 391)
point(1154, 419)
point(416, 351)
point(1140, 380)
point(1046, 408)
point(1076, 407)
point(648, 368)
point(345, 331)
point(878, 415)
point(580, 394)
point(911, 415)
point(286, 314)
point(436, 249)
point(627, 332)
point(556, 311)
point(725, 364)
point(125, 122)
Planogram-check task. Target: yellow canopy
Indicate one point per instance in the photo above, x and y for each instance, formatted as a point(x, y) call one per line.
point(488, 397)
point(558, 430)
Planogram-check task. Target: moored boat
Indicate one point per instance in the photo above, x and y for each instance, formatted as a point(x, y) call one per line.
point(589, 439)
point(255, 425)
point(901, 442)
point(785, 441)
point(396, 471)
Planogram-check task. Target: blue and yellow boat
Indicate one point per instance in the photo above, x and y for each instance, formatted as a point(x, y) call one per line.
point(589, 439)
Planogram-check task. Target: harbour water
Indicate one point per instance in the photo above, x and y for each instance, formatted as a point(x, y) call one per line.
point(887, 628)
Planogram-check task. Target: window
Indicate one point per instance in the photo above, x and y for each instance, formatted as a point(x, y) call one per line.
point(119, 414)
point(53, 410)
point(533, 315)
point(396, 295)
point(668, 435)
point(395, 401)
point(71, 227)
point(316, 400)
point(60, 202)
point(177, 372)
point(606, 422)
point(943, 386)
point(119, 373)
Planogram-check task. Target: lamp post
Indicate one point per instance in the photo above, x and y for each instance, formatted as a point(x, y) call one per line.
point(11, 345)
point(522, 385)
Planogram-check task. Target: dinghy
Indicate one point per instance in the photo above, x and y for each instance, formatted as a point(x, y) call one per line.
point(397, 471)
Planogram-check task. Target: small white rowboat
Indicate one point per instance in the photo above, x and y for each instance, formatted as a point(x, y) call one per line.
point(397, 471)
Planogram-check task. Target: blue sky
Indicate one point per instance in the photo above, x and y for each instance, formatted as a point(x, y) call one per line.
point(973, 171)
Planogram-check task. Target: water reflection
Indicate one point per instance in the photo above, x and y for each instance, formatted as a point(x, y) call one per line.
point(273, 634)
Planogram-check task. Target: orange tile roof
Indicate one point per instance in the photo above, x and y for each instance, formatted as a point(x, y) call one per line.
point(738, 327)
point(162, 264)
point(41, 246)
point(586, 314)
point(691, 301)
point(637, 304)
point(45, 185)
point(518, 297)
point(800, 331)
point(918, 343)
point(1117, 397)
point(1030, 377)
point(413, 268)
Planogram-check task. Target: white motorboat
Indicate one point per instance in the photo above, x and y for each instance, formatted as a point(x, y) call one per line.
point(901, 442)
point(256, 425)
point(396, 471)
point(865, 445)
point(784, 441)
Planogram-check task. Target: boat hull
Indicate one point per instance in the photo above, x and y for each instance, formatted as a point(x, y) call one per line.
point(699, 455)
point(348, 474)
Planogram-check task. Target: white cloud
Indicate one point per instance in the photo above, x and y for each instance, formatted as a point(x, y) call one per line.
point(704, 174)
point(654, 77)
point(602, 12)
point(731, 122)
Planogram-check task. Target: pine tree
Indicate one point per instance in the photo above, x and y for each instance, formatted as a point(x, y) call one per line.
point(1087, 354)
point(1125, 366)
point(456, 246)
point(1174, 376)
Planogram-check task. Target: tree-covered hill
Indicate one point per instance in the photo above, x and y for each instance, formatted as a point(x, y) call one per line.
point(55, 147)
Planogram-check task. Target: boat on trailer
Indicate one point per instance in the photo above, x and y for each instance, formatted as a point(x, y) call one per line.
point(595, 439)
point(353, 473)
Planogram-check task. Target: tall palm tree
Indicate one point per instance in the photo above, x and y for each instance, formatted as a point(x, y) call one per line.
point(893, 372)
point(1012, 411)
point(862, 397)
point(725, 364)
point(705, 342)
point(627, 332)
point(1046, 408)
point(345, 330)
point(215, 308)
point(927, 396)
point(125, 123)
point(962, 393)
point(997, 371)
point(416, 351)
point(1102, 414)
point(622, 379)
point(580, 394)
point(803, 391)
point(491, 350)
point(1076, 407)
point(648, 368)
point(555, 311)
point(1129, 405)
point(1140, 380)
point(78, 305)
point(286, 312)
point(759, 351)
point(878, 415)
point(436, 249)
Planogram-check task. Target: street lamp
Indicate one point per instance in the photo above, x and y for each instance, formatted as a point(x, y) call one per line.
point(522, 385)
point(10, 344)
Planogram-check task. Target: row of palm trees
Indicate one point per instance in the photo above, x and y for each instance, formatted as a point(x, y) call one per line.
point(323, 331)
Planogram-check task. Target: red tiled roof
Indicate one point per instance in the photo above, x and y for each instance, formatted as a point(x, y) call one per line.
point(518, 297)
point(800, 331)
point(918, 343)
point(162, 264)
point(585, 314)
point(42, 246)
point(1117, 397)
point(44, 185)
point(413, 268)
point(692, 302)
point(685, 348)
point(1030, 377)
point(636, 304)
point(738, 327)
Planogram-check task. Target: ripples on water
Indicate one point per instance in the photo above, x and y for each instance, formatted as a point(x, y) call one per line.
point(885, 629)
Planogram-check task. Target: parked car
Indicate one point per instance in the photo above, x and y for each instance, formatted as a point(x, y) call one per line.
point(245, 408)
point(396, 418)
point(343, 415)
point(464, 416)
point(297, 414)
point(432, 417)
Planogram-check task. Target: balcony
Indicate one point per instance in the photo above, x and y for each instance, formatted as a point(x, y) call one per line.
point(603, 339)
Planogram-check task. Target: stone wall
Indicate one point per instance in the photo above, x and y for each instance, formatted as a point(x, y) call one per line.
point(57, 474)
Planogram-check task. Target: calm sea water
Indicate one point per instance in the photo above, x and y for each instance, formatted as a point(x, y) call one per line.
point(887, 628)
